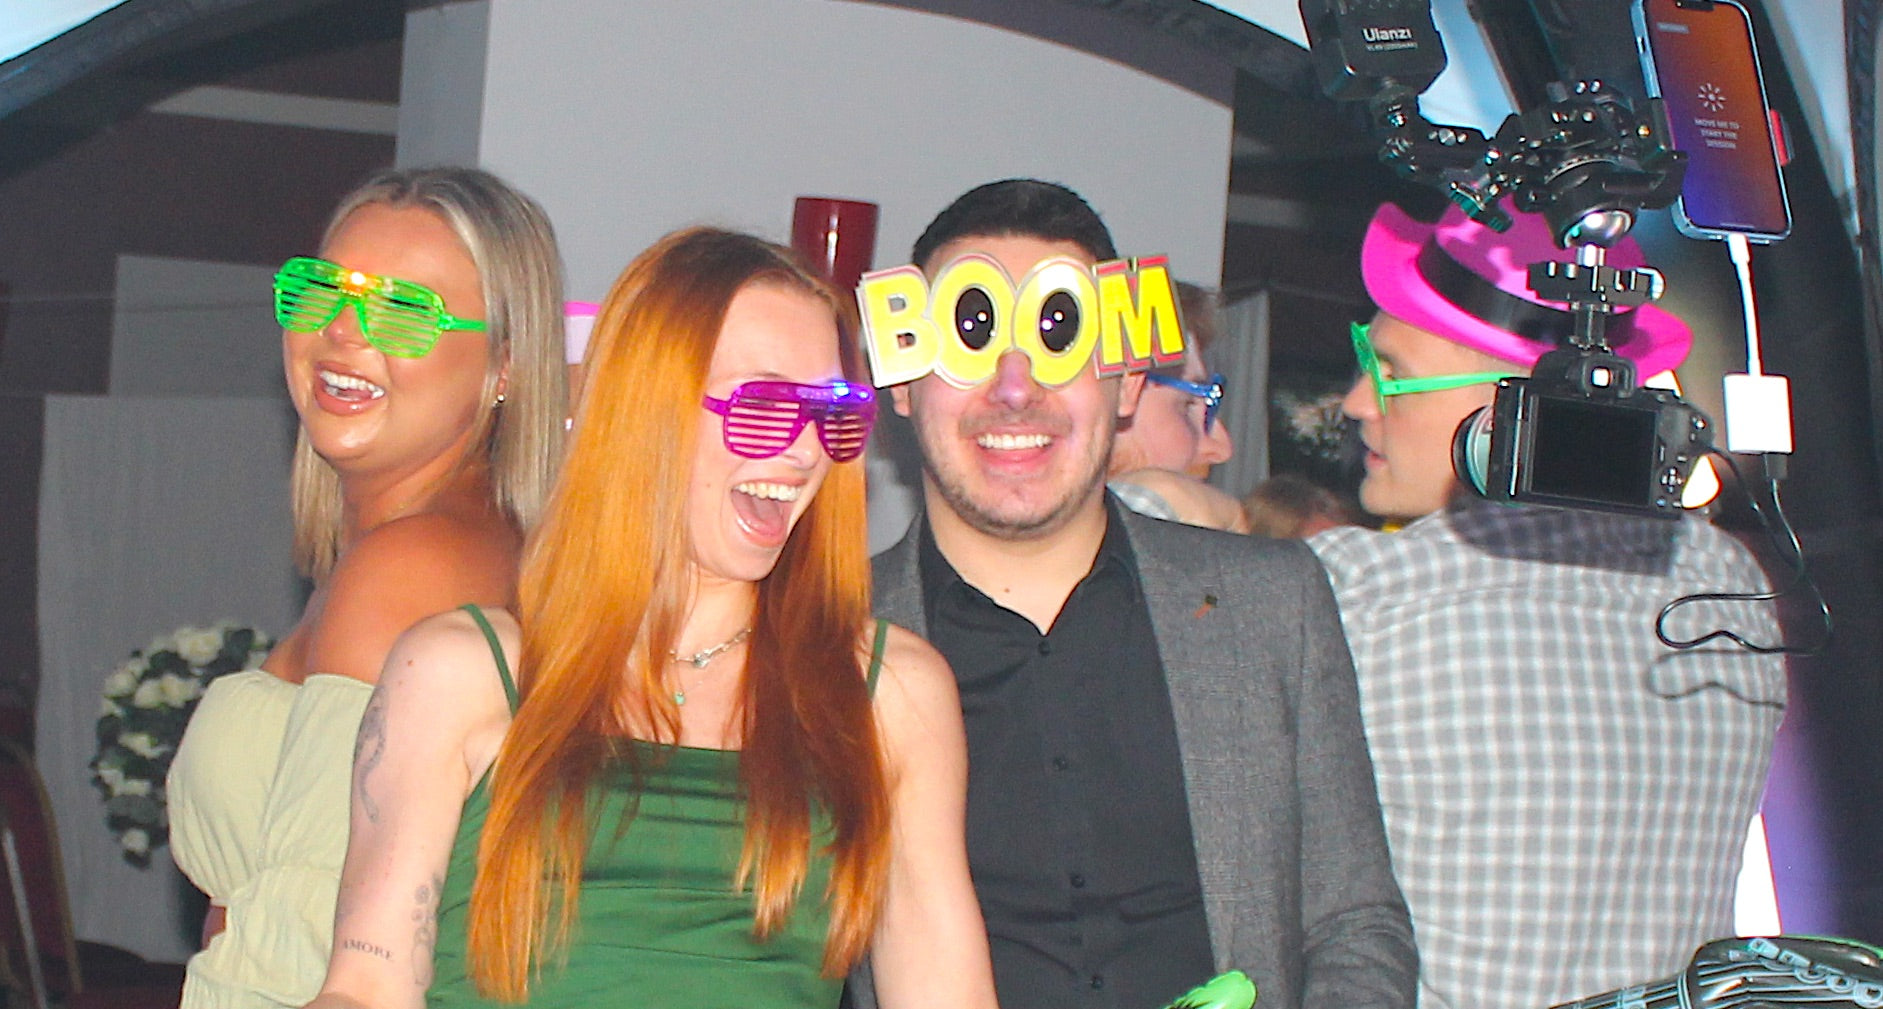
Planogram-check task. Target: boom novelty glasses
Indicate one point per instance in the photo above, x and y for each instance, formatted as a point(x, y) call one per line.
point(762, 419)
point(1211, 393)
point(1384, 387)
point(397, 317)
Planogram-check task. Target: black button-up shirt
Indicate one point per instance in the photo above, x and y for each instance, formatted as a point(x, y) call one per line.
point(1078, 829)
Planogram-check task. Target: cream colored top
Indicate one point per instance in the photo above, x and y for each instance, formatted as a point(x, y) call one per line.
point(220, 777)
point(274, 949)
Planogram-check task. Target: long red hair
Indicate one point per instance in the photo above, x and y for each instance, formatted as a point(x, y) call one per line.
point(601, 599)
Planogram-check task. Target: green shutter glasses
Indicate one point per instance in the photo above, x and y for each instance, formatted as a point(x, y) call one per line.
point(1384, 387)
point(397, 317)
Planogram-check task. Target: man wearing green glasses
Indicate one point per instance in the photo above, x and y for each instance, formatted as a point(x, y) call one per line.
point(1566, 799)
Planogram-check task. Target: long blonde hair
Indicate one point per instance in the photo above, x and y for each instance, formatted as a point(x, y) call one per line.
point(511, 241)
point(604, 589)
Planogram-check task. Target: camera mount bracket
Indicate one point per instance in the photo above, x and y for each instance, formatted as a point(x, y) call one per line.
point(1593, 290)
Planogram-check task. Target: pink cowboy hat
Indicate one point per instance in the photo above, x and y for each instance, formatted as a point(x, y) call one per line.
point(1468, 284)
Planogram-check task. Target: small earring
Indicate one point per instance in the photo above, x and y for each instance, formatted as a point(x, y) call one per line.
point(500, 398)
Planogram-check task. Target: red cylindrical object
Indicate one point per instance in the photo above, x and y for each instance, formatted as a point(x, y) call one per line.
point(837, 236)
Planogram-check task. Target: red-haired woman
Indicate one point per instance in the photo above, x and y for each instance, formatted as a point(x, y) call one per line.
point(713, 780)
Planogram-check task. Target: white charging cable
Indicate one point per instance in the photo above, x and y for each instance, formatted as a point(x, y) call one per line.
point(1758, 406)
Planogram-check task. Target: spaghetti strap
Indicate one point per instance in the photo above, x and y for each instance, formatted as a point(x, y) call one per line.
point(503, 666)
point(876, 654)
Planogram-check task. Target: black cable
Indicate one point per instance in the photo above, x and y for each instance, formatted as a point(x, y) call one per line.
point(1784, 540)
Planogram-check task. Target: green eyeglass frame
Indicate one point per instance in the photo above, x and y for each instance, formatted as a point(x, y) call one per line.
point(397, 317)
point(1384, 387)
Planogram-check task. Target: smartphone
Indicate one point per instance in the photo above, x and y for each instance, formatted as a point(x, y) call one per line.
point(1698, 58)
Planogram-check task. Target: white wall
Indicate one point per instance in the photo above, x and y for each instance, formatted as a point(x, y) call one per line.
point(629, 120)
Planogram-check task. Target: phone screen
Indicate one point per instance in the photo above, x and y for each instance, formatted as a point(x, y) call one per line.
point(1702, 62)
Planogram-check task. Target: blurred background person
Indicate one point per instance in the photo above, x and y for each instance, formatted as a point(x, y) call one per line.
point(1164, 452)
point(1178, 497)
point(423, 353)
point(1291, 506)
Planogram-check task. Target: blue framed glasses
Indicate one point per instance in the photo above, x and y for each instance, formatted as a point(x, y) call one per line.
point(1211, 393)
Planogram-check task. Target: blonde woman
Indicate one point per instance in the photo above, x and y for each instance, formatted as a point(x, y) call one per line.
point(422, 349)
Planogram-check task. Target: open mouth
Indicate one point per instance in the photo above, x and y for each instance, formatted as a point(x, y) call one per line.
point(764, 509)
point(348, 388)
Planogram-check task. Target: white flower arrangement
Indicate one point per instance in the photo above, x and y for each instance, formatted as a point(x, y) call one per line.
point(147, 702)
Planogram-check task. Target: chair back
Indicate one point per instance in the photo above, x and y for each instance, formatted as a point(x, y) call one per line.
point(26, 817)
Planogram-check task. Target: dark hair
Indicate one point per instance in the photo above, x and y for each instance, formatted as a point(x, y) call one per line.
point(1028, 207)
point(1202, 325)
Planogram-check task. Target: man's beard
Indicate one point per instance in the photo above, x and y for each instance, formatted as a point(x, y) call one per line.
point(1023, 527)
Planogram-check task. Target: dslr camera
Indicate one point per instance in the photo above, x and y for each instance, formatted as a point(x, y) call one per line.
point(1579, 433)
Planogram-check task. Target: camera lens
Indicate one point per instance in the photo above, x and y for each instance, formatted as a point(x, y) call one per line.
point(1471, 450)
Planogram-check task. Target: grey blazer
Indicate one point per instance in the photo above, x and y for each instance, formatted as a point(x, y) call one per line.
point(1297, 884)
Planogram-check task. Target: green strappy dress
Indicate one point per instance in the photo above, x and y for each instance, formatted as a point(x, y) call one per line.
point(659, 923)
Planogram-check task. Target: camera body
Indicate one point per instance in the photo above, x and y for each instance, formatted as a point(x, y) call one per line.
point(1579, 433)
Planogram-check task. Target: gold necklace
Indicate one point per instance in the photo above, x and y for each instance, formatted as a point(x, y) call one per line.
point(699, 659)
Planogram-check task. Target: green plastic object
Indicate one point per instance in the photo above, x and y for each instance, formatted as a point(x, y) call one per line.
point(1232, 990)
point(397, 317)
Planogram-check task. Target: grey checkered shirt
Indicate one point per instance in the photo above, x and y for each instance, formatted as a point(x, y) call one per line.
point(1566, 798)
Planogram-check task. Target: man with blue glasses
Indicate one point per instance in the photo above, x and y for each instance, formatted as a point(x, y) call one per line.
point(1164, 451)
point(1566, 798)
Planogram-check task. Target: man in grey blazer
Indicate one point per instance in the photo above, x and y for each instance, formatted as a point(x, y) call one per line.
point(1167, 772)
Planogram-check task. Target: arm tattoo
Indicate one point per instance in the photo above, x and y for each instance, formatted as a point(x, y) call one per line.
point(368, 750)
point(367, 948)
point(425, 933)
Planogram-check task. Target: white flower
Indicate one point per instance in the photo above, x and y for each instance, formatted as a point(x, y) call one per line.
point(108, 708)
point(136, 841)
point(177, 690)
point(124, 679)
point(142, 744)
point(149, 694)
point(112, 777)
point(199, 646)
point(131, 786)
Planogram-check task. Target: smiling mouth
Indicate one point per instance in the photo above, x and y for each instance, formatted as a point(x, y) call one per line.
point(348, 387)
point(1013, 442)
point(769, 491)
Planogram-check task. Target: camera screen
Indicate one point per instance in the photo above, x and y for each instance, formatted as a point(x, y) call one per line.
point(1588, 451)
